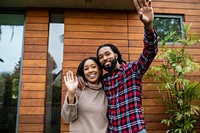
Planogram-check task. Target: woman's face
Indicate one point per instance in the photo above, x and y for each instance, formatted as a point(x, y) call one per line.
point(91, 71)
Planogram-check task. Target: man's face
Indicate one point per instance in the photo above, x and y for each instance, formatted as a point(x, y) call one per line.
point(107, 58)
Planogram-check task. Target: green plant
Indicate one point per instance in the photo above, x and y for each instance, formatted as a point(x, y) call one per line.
point(180, 96)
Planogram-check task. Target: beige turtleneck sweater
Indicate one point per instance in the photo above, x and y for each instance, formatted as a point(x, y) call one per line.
point(88, 114)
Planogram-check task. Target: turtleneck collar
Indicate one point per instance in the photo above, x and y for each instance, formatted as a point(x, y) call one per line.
point(94, 86)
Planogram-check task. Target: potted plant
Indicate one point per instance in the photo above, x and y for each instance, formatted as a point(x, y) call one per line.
point(180, 96)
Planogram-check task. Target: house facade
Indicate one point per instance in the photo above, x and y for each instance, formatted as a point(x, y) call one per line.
point(41, 40)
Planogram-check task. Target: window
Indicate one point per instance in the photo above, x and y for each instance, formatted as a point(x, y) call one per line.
point(165, 24)
point(54, 73)
point(11, 42)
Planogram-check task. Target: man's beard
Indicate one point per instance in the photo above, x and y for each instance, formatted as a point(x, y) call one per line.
point(111, 67)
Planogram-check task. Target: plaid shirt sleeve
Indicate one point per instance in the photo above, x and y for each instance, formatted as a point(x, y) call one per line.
point(149, 51)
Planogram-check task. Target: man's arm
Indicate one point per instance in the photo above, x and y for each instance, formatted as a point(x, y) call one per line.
point(146, 14)
point(149, 51)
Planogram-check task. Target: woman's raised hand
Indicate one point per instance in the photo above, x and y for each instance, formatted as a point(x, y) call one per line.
point(71, 82)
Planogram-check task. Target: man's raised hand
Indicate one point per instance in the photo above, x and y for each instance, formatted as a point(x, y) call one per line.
point(145, 11)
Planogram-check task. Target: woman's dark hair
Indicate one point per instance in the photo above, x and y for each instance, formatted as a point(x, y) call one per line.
point(80, 71)
point(115, 50)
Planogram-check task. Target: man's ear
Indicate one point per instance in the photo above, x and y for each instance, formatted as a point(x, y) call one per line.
point(116, 56)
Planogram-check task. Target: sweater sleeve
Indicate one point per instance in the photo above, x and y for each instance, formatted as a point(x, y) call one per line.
point(69, 111)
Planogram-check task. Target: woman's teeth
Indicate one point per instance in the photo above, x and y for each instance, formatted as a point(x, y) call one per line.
point(92, 75)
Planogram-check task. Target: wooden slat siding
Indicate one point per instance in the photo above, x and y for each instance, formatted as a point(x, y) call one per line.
point(35, 71)
point(85, 31)
point(36, 41)
point(83, 28)
point(31, 94)
point(32, 102)
point(177, 5)
point(96, 14)
point(84, 49)
point(35, 56)
point(28, 119)
point(33, 86)
point(191, 51)
point(31, 127)
point(35, 48)
point(85, 55)
point(93, 42)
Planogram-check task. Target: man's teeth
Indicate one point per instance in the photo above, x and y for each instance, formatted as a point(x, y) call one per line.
point(107, 63)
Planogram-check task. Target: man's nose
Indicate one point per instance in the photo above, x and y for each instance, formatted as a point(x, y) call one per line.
point(104, 58)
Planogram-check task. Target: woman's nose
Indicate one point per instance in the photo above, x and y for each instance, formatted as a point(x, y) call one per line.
point(90, 69)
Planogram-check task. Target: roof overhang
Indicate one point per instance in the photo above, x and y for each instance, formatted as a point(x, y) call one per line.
point(80, 4)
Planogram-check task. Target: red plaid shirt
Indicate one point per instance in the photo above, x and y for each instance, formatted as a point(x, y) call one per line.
point(123, 88)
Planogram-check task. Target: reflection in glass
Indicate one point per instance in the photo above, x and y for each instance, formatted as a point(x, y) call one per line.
point(166, 24)
point(54, 78)
point(11, 36)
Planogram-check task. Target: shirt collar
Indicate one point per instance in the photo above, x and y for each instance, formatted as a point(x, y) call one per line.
point(120, 68)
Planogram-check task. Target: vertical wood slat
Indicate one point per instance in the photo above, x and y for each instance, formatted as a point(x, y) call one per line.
point(31, 117)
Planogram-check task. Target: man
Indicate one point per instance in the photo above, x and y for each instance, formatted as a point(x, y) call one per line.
point(123, 82)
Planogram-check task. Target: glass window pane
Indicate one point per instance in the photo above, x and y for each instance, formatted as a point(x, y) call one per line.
point(165, 24)
point(11, 40)
point(54, 74)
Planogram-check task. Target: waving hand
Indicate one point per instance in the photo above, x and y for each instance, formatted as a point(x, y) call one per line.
point(145, 11)
point(71, 82)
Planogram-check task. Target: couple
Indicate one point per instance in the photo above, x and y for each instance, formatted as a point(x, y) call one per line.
point(111, 103)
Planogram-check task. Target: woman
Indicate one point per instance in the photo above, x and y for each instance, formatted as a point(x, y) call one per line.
point(86, 109)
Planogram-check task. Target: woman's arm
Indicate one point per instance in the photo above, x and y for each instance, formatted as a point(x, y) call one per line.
point(69, 109)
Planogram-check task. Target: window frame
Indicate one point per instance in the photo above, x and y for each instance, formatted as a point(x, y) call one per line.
point(18, 12)
point(58, 19)
point(172, 16)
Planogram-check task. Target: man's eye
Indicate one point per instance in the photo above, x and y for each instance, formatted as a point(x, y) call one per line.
point(107, 54)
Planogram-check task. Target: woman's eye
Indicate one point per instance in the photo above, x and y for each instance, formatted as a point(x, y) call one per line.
point(94, 66)
point(85, 69)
